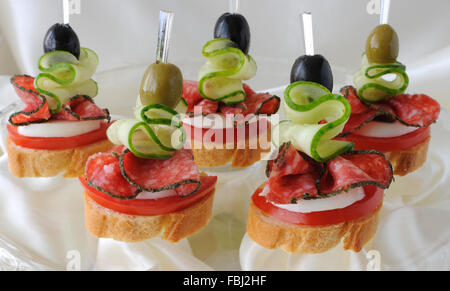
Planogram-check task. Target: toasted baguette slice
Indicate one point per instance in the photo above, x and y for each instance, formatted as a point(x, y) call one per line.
point(25, 162)
point(273, 233)
point(103, 222)
point(407, 161)
point(240, 156)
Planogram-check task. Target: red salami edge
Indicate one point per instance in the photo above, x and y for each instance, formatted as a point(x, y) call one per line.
point(97, 160)
point(158, 189)
point(267, 106)
point(387, 170)
point(74, 114)
point(384, 108)
point(39, 114)
point(383, 182)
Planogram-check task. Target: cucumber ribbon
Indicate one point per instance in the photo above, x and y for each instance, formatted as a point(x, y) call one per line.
point(64, 76)
point(220, 79)
point(315, 117)
point(155, 133)
point(371, 85)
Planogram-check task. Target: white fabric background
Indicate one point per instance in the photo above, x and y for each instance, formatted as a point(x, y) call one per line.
point(124, 33)
point(38, 227)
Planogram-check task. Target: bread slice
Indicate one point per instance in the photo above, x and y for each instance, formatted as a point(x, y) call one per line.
point(103, 222)
point(407, 161)
point(26, 162)
point(273, 233)
point(240, 157)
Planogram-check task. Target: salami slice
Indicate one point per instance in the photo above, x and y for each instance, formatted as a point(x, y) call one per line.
point(287, 189)
point(374, 164)
point(356, 169)
point(358, 120)
point(81, 108)
point(294, 176)
point(240, 108)
point(178, 172)
point(262, 103)
point(228, 109)
point(417, 110)
point(248, 91)
point(291, 162)
point(118, 149)
point(103, 173)
point(37, 110)
point(191, 94)
point(349, 93)
point(36, 106)
point(254, 103)
point(206, 106)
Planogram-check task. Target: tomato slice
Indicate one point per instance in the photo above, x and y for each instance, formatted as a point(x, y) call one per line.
point(388, 144)
point(150, 207)
point(366, 206)
point(225, 135)
point(57, 143)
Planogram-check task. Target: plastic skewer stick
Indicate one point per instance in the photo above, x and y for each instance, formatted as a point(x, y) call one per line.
point(384, 13)
point(66, 11)
point(165, 27)
point(308, 33)
point(233, 6)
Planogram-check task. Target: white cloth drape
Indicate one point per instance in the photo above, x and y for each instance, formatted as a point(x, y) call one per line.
point(124, 33)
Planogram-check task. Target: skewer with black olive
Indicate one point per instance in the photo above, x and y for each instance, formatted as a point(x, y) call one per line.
point(234, 26)
point(229, 63)
point(310, 106)
point(61, 36)
point(311, 67)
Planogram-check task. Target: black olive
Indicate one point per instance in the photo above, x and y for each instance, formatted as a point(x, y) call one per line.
point(235, 28)
point(61, 37)
point(314, 69)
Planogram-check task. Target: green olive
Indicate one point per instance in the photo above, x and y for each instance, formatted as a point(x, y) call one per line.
point(162, 83)
point(382, 45)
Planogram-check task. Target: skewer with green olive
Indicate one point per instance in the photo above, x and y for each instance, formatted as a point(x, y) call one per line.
point(162, 83)
point(156, 132)
point(381, 75)
point(382, 45)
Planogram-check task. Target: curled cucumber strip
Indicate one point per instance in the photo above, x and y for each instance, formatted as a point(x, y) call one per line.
point(315, 117)
point(372, 83)
point(220, 79)
point(64, 76)
point(182, 106)
point(156, 134)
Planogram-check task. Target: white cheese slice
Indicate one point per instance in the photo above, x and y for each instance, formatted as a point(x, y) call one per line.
point(385, 129)
point(339, 201)
point(59, 128)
